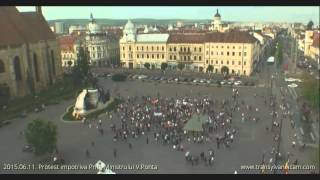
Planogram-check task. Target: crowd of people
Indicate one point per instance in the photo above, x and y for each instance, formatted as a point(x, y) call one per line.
point(164, 120)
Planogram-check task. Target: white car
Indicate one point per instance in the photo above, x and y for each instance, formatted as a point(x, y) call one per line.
point(196, 80)
point(202, 80)
point(223, 82)
point(237, 83)
point(293, 85)
point(142, 77)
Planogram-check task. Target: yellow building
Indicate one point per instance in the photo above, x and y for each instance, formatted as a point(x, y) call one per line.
point(236, 51)
point(29, 52)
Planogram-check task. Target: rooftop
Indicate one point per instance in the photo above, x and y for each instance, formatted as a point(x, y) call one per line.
point(152, 38)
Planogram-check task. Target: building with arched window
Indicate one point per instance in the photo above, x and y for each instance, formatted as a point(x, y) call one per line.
point(29, 57)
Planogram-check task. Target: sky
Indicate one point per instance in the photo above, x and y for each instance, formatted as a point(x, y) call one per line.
point(228, 13)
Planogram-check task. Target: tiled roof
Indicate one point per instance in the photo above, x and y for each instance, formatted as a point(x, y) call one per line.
point(18, 28)
point(66, 42)
point(229, 37)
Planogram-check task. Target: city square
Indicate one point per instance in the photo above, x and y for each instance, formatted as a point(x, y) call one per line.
point(152, 97)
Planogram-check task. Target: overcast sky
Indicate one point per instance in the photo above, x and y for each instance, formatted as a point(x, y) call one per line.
point(229, 13)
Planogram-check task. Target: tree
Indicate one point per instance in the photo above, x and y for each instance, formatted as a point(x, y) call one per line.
point(225, 70)
point(147, 65)
point(181, 66)
point(210, 68)
point(81, 71)
point(311, 90)
point(279, 54)
point(42, 136)
point(310, 25)
point(164, 66)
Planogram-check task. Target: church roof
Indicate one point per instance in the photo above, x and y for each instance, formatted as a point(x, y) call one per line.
point(217, 14)
point(18, 28)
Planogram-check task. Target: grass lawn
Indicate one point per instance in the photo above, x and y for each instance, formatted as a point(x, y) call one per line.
point(62, 90)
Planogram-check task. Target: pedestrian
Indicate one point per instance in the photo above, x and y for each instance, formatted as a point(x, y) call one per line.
point(115, 153)
point(87, 153)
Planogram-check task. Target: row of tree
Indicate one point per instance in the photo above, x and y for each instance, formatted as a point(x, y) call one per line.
point(182, 66)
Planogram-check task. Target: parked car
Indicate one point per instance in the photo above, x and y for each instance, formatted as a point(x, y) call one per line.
point(142, 77)
point(223, 82)
point(203, 80)
point(237, 83)
point(163, 78)
point(176, 79)
point(196, 80)
point(230, 82)
point(27, 148)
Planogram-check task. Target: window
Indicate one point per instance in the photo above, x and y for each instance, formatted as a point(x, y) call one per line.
point(232, 62)
point(207, 52)
point(244, 72)
point(99, 48)
point(170, 57)
point(233, 47)
point(228, 62)
point(212, 47)
point(162, 56)
point(137, 48)
point(228, 53)
point(217, 53)
point(152, 56)
point(93, 48)
point(147, 56)
point(189, 58)
point(239, 63)
point(142, 55)
point(162, 48)
point(245, 47)
point(137, 55)
point(195, 58)
point(129, 48)
point(174, 57)
point(188, 49)
point(221, 53)
point(245, 53)
point(195, 49)
point(244, 63)
point(227, 47)
point(151, 48)
point(184, 49)
point(207, 62)
point(199, 58)
point(17, 68)
point(157, 48)
point(157, 56)
point(221, 62)
point(233, 53)
point(212, 53)
point(216, 46)
point(181, 49)
point(185, 58)
point(147, 48)
point(170, 49)
point(174, 48)
point(217, 62)
point(142, 48)
point(200, 49)
point(239, 53)
point(222, 47)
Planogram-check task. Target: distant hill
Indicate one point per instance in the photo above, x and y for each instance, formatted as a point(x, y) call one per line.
point(121, 22)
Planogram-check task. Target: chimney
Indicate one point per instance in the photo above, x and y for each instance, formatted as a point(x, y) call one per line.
point(38, 10)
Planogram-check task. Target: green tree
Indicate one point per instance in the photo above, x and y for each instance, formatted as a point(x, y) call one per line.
point(181, 66)
point(164, 66)
point(225, 70)
point(311, 90)
point(210, 68)
point(310, 25)
point(279, 54)
point(42, 136)
point(81, 71)
point(147, 65)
